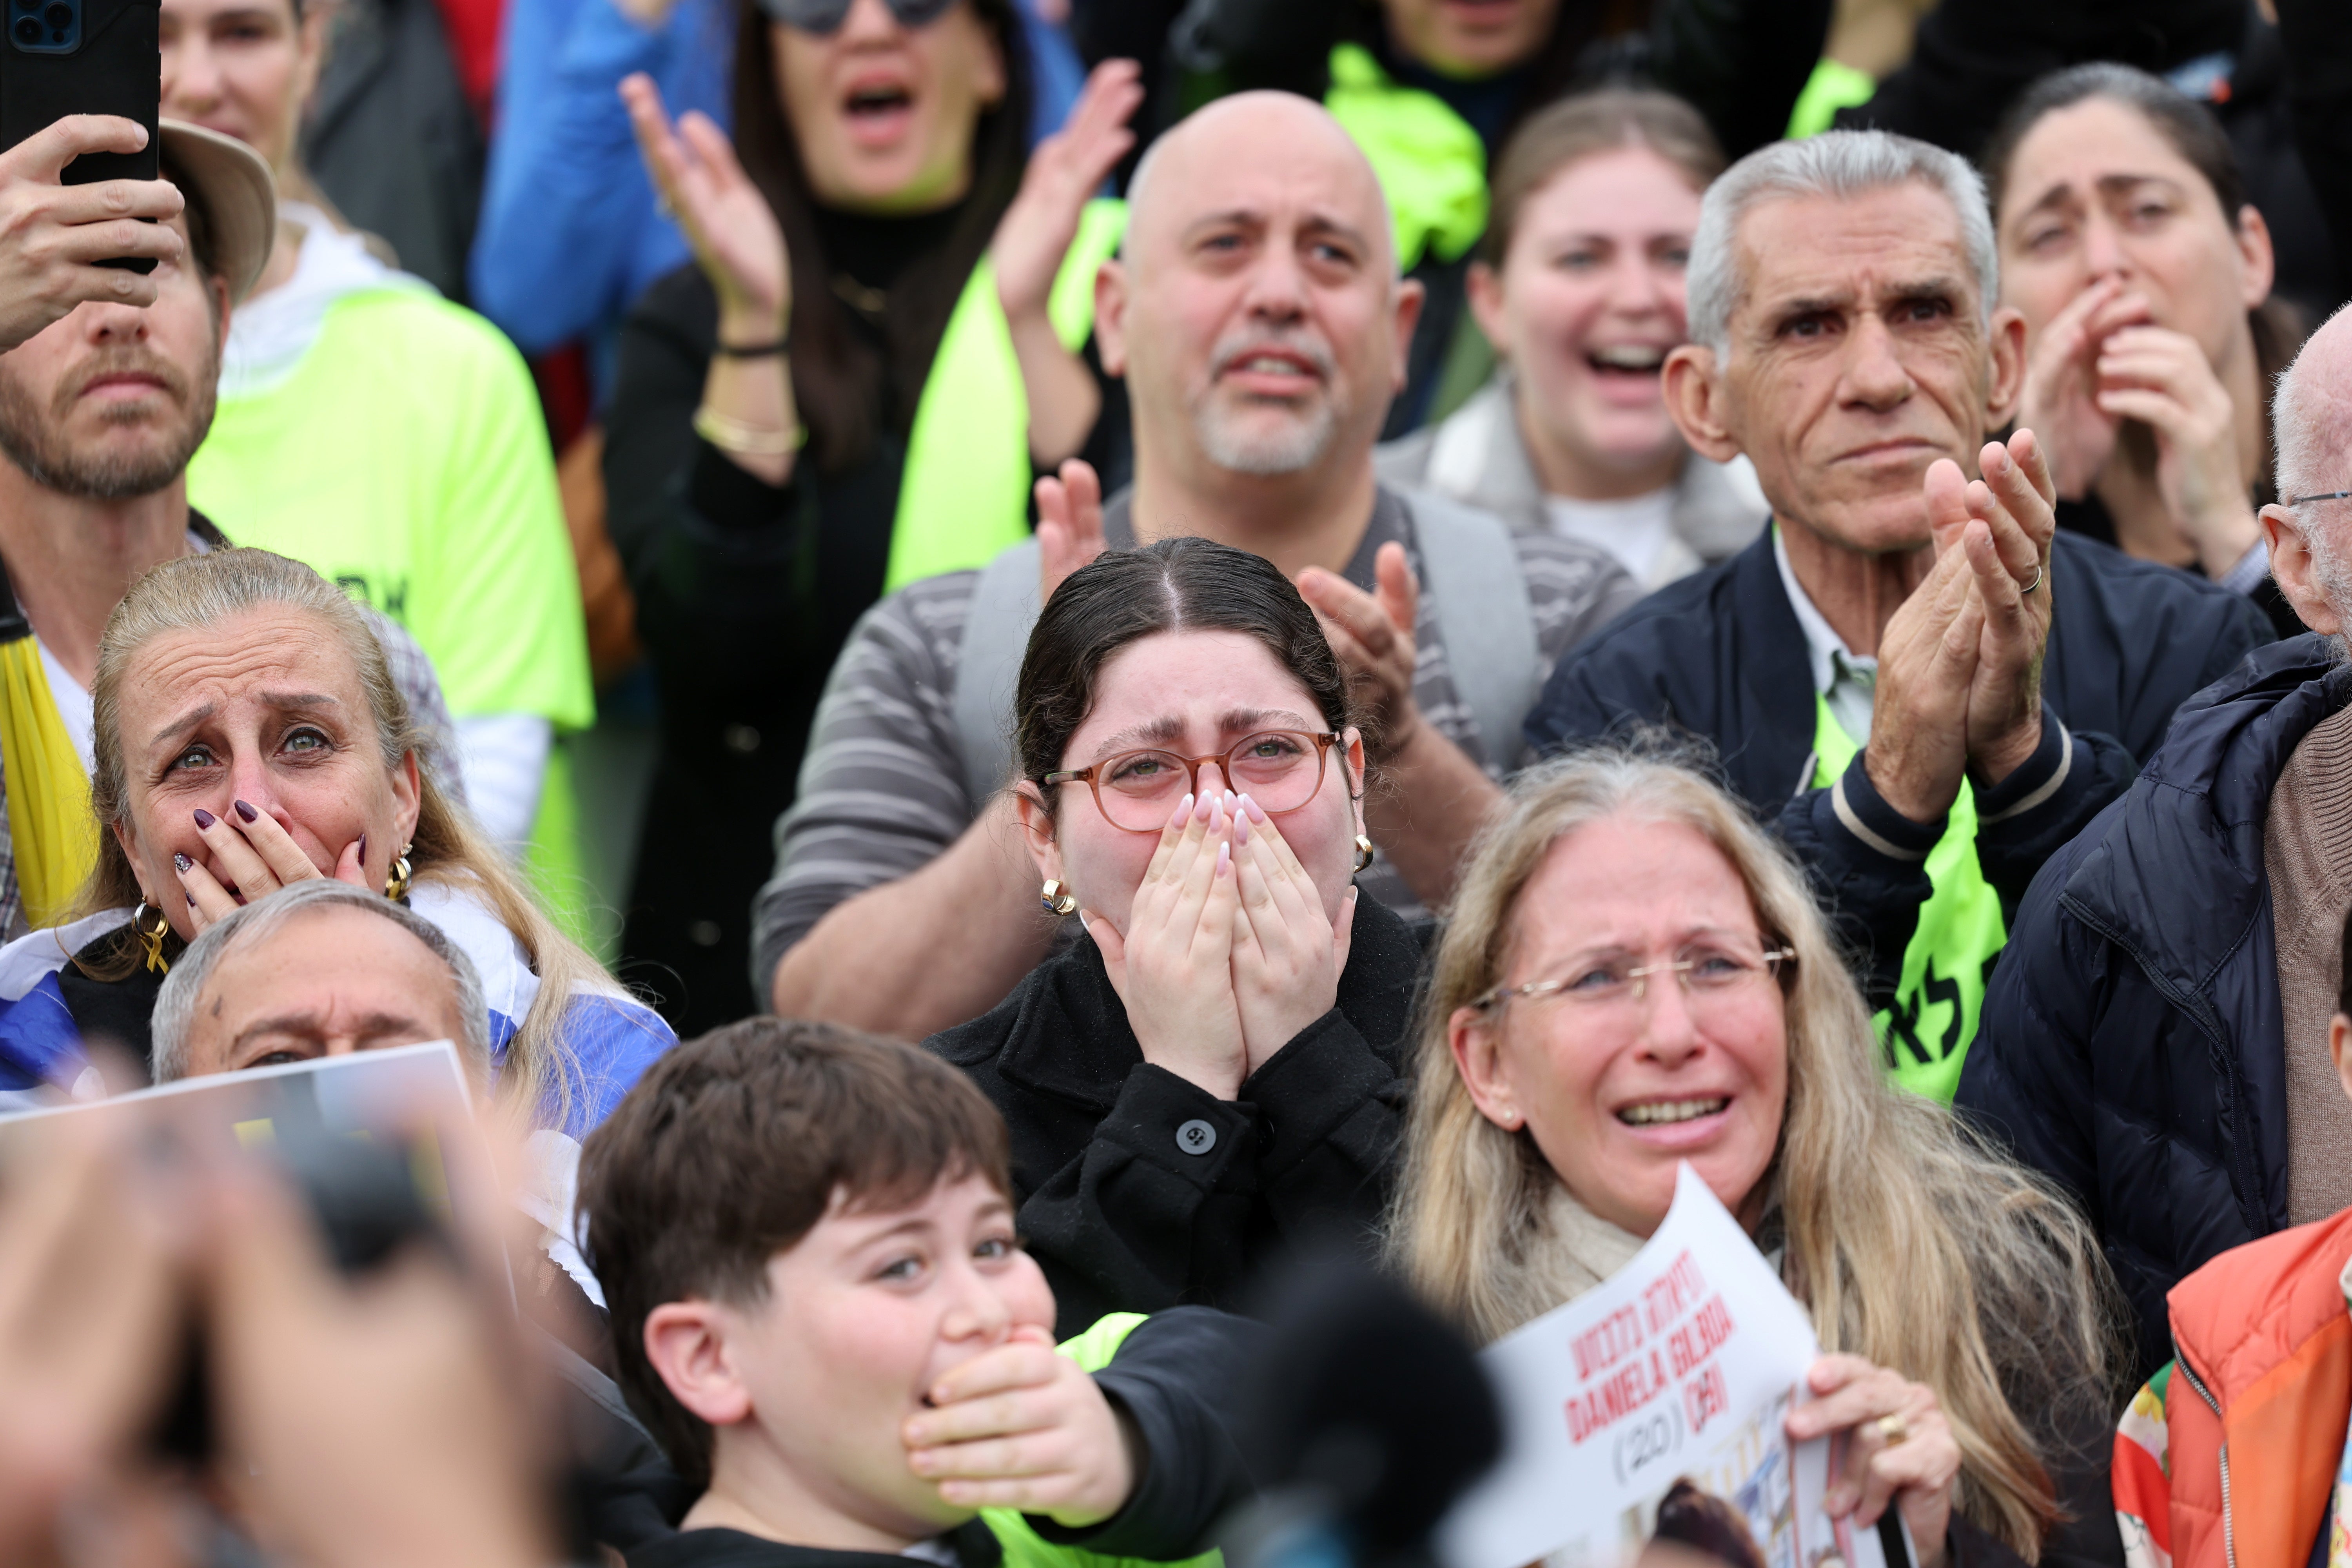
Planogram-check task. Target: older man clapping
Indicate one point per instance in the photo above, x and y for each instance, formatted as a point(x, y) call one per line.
point(1927, 689)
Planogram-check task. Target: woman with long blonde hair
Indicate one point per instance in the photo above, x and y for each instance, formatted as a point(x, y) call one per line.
point(1634, 977)
point(246, 735)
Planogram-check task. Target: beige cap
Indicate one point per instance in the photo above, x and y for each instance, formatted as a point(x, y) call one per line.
point(239, 196)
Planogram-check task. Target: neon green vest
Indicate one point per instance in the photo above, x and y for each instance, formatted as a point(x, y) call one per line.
point(1831, 87)
point(1023, 1547)
point(964, 494)
point(1431, 165)
point(1927, 1032)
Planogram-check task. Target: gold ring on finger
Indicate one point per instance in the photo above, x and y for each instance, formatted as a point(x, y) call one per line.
point(1894, 1429)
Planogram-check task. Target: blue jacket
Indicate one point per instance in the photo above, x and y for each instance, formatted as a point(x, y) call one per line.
point(1720, 654)
point(2132, 1047)
point(570, 236)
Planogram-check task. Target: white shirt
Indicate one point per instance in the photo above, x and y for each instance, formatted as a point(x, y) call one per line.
point(1636, 531)
point(72, 704)
point(1845, 679)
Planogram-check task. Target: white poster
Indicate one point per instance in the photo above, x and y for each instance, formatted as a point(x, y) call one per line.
point(1673, 1377)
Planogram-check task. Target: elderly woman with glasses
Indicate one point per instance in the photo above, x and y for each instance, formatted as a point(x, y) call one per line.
point(1634, 977)
point(1209, 1073)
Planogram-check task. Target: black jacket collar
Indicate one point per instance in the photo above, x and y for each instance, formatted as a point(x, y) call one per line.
point(1065, 1031)
point(1776, 677)
point(2198, 811)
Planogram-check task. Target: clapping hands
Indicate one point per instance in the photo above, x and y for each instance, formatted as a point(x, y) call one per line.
point(1227, 954)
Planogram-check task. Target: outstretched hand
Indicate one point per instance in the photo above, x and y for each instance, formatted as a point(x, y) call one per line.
point(1069, 524)
point(729, 223)
point(1372, 634)
point(1063, 172)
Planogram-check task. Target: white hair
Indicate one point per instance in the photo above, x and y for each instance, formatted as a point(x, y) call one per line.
point(1839, 164)
point(2311, 434)
point(175, 1003)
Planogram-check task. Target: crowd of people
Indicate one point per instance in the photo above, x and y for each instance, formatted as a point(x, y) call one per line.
point(1271, 629)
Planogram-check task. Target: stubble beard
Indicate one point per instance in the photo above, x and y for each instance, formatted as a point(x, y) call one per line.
point(35, 439)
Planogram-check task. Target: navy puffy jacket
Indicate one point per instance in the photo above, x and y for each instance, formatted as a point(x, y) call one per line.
point(2131, 1047)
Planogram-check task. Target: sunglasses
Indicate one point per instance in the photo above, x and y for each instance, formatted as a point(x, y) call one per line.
point(823, 17)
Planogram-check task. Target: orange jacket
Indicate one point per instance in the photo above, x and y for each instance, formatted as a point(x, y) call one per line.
point(2264, 1345)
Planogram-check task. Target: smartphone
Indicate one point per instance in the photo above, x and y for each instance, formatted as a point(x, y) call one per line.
point(85, 56)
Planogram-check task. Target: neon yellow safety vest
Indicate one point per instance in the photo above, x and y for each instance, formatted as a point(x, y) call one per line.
point(1430, 162)
point(1831, 87)
point(1023, 1547)
point(1927, 1032)
point(963, 495)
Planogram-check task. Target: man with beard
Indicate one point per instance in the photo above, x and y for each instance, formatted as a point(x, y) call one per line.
point(1258, 318)
point(100, 409)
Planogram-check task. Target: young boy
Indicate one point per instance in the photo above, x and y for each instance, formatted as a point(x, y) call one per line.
point(820, 1308)
point(2235, 1452)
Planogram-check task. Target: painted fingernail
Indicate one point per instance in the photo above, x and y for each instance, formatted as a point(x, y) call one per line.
point(183, 862)
point(205, 818)
point(192, 900)
point(1224, 858)
point(363, 848)
point(1241, 827)
point(1184, 810)
point(1257, 811)
point(247, 812)
point(1202, 808)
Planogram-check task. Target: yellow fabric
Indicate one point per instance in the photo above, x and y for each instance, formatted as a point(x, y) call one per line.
point(1831, 87)
point(1023, 1547)
point(49, 826)
point(1430, 162)
point(1941, 994)
point(964, 496)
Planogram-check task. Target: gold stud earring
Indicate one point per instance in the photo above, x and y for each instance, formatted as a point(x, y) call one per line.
point(150, 938)
point(1363, 853)
point(1056, 899)
point(395, 886)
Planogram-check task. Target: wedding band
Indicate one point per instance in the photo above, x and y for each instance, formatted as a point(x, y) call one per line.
point(1894, 1429)
point(2037, 579)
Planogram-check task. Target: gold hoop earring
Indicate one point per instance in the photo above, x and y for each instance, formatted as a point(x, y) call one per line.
point(1363, 853)
point(395, 886)
point(1056, 899)
point(150, 941)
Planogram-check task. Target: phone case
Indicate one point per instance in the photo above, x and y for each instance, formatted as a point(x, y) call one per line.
point(104, 61)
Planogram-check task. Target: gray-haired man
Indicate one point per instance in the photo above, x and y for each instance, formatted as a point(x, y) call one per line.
point(320, 969)
point(1926, 685)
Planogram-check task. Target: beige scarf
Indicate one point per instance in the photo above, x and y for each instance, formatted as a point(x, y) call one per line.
point(1570, 1250)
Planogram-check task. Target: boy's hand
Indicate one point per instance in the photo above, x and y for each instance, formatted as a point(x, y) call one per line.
point(1022, 1427)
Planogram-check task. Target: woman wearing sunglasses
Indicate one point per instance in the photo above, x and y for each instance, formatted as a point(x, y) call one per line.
point(847, 392)
point(1207, 1075)
point(1633, 977)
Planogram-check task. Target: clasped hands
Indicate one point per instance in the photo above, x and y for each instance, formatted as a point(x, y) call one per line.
point(1959, 664)
point(1227, 953)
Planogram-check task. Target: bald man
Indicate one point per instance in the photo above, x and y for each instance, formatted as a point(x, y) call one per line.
point(1258, 318)
point(2159, 1038)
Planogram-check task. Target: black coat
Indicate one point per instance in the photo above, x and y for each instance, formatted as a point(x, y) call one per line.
point(2132, 1047)
point(1127, 1206)
point(1720, 654)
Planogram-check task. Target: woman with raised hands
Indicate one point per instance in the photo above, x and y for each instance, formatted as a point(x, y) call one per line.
point(1634, 977)
point(2144, 275)
point(1209, 1073)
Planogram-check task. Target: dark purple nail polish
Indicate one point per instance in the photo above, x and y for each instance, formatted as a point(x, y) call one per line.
point(192, 900)
point(247, 812)
point(363, 848)
point(183, 862)
point(205, 818)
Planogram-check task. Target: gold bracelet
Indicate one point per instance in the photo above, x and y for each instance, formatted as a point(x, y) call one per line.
point(746, 440)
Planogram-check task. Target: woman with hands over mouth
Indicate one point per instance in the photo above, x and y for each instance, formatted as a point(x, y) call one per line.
point(1211, 1075)
point(247, 736)
point(1634, 977)
point(2144, 275)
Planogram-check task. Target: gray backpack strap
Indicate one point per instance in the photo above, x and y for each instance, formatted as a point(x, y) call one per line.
point(1479, 596)
point(995, 636)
